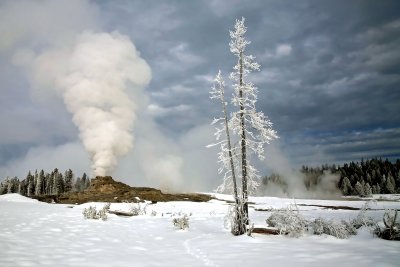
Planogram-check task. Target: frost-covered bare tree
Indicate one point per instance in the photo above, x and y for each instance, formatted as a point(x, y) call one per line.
point(225, 156)
point(251, 128)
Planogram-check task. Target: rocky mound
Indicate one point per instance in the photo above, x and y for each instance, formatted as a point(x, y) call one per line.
point(106, 189)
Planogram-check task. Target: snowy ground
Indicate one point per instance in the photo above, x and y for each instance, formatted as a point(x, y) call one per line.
point(40, 234)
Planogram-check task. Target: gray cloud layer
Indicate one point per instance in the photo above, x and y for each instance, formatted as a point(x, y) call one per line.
point(329, 80)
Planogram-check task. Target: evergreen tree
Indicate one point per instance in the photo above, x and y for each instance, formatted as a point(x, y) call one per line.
point(35, 178)
point(9, 186)
point(24, 187)
point(378, 189)
point(382, 182)
point(57, 183)
point(367, 190)
point(346, 187)
point(30, 188)
point(38, 186)
point(3, 188)
point(85, 181)
point(19, 191)
point(359, 189)
point(49, 184)
point(389, 187)
point(68, 180)
point(78, 184)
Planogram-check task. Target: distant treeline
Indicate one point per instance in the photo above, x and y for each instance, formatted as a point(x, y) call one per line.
point(41, 183)
point(372, 176)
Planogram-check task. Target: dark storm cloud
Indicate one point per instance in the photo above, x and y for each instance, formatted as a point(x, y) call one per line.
point(327, 66)
point(329, 80)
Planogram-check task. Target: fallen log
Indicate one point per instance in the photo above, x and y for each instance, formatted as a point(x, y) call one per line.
point(330, 207)
point(265, 231)
point(121, 213)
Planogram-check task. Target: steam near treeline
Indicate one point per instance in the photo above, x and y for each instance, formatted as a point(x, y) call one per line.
point(43, 183)
point(372, 176)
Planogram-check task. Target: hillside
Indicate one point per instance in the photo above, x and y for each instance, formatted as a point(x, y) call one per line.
point(106, 189)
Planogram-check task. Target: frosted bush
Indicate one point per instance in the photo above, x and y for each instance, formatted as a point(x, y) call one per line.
point(390, 219)
point(92, 213)
point(288, 222)
point(137, 209)
point(181, 223)
point(107, 206)
point(102, 214)
point(391, 229)
point(340, 230)
point(362, 218)
point(153, 213)
point(350, 227)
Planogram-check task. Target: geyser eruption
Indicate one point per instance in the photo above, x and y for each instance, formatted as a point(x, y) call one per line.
point(101, 69)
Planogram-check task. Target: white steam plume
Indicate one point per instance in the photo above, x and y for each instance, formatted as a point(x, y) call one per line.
point(278, 163)
point(94, 87)
point(96, 75)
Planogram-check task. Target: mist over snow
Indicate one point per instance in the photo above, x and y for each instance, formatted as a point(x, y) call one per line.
point(122, 87)
point(278, 163)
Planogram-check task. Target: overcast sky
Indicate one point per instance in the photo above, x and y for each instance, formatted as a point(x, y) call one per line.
point(329, 81)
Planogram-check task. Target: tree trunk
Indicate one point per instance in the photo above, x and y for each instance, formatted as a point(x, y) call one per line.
point(238, 228)
point(243, 145)
point(235, 193)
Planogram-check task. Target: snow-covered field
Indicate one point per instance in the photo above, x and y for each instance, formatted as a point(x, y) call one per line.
point(39, 234)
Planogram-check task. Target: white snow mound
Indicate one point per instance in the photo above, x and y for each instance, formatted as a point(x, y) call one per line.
point(14, 197)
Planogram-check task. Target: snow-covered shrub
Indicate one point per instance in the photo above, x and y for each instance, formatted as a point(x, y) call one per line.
point(362, 218)
point(391, 221)
point(102, 214)
point(181, 223)
point(137, 209)
point(350, 227)
point(288, 222)
point(92, 213)
point(153, 213)
point(341, 229)
point(107, 206)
